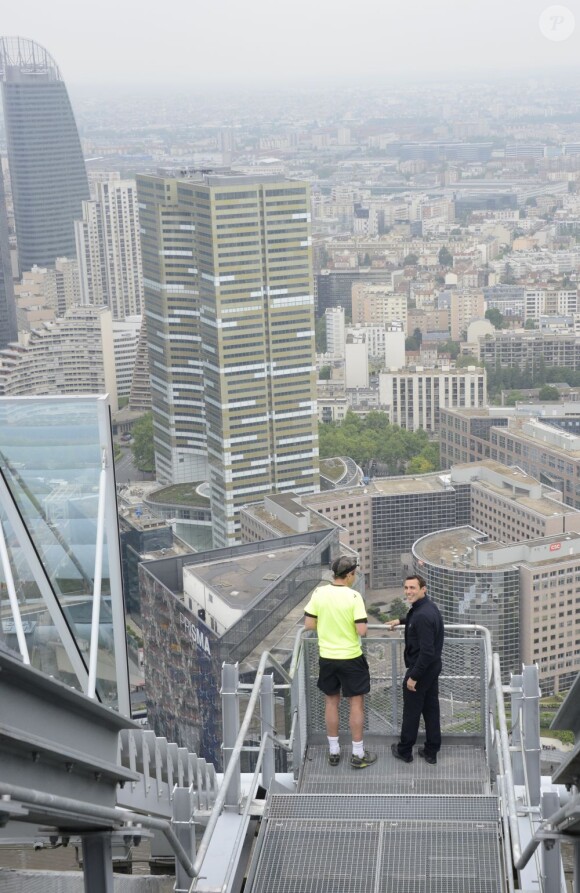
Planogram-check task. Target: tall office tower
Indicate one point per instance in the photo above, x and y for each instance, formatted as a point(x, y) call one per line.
point(8, 329)
point(229, 293)
point(109, 251)
point(47, 168)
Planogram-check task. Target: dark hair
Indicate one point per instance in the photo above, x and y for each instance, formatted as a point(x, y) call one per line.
point(420, 580)
point(342, 566)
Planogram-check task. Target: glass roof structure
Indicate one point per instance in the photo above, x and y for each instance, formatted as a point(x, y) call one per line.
point(61, 603)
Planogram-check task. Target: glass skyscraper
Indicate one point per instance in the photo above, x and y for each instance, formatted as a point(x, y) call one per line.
point(47, 168)
point(8, 329)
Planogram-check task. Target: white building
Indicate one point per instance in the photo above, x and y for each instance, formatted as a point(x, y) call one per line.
point(394, 348)
point(550, 302)
point(415, 396)
point(335, 331)
point(356, 365)
point(125, 342)
point(109, 250)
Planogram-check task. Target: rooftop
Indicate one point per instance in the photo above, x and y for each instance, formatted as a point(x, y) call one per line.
point(240, 580)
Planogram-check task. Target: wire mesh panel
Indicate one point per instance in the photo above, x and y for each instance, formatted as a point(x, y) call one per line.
point(440, 857)
point(313, 856)
point(462, 687)
point(467, 810)
point(317, 857)
point(460, 770)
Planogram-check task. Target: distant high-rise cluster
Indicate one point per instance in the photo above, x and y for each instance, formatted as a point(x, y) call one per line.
point(8, 330)
point(230, 311)
point(47, 168)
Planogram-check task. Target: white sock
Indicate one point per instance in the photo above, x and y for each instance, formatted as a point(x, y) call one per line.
point(333, 745)
point(358, 748)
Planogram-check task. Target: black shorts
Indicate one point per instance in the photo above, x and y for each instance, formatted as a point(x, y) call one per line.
point(351, 677)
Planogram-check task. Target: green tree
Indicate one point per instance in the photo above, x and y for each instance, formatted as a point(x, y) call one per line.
point(514, 397)
point(411, 260)
point(397, 609)
point(325, 373)
point(467, 359)
point(366, 260)
point(445, 257)
point(530, 324)
point(495, 317)
point(549, 393)
point(142, 446)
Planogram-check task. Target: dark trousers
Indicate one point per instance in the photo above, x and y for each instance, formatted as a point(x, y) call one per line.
point(422, 702)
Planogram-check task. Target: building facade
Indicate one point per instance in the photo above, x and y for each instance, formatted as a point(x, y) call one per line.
point(8, 326)
point(109, 249)
point(69, 355)
point(415, 397)
point(229, 303)
point(47, 168)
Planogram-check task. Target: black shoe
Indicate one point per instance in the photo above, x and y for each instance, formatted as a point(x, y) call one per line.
point(428, 757)
point(399, 756)
point(334, 758)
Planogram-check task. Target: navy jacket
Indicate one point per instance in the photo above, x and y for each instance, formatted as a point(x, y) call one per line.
point(423, 638)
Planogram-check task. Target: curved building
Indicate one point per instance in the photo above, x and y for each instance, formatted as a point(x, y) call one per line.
point(47, 168)
point(471, 580)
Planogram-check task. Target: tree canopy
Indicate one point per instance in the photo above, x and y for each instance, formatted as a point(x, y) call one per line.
point(403, 452)
point(445, 257)
point(495, 317)
point(142, 446)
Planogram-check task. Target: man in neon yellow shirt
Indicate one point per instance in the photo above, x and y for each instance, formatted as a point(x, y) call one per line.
point(338, 614)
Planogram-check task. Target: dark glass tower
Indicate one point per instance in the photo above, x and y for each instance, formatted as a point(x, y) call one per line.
point(8, 330)
point(47, 168)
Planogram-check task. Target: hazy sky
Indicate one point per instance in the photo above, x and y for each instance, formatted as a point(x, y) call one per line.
point(228, 42)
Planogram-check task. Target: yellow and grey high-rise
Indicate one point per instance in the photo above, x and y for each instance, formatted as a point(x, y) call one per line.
point(227, 263)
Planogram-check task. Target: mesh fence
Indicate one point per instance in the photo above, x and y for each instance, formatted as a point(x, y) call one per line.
point(462, 687)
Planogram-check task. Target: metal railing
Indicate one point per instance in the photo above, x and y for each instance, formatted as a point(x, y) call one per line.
point(464, 692)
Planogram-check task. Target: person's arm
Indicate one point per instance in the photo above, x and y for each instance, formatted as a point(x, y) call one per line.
point(310, 621)
point(361, 627)
point(393, 624)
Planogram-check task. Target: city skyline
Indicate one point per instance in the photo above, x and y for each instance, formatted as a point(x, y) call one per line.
point(337, 42)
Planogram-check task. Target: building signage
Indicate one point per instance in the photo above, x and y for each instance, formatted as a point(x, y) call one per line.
point(198, 637)
point(555, 546)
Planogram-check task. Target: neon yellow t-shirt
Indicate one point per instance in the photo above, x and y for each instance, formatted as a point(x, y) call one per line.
point(337, 609)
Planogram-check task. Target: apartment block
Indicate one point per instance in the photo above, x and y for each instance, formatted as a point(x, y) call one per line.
point(73, 354)
point(465, 306)
point(416, 396)
point(109, 249)
point(538, 446)
point(374, 304)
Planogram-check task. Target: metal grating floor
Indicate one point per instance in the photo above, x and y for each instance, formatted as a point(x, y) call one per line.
point(380, 807)
point(391, 828)
point(378, 857)
point(460, 770)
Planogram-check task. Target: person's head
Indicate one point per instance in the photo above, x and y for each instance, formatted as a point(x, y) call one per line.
point(344, 569)
point(415, 588)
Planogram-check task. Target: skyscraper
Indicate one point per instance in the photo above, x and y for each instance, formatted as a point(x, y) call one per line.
point(8, 330)
point(227, 264)
point(109, 251)
point(47, 169)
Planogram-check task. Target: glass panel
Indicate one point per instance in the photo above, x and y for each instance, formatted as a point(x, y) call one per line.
point(51, 453)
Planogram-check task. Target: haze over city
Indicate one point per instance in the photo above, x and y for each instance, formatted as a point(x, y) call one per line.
point(263, 43)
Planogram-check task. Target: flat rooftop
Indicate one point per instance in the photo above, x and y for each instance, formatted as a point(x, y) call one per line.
point(241, 580)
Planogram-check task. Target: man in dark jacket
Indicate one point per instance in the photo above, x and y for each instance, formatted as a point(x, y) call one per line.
point(423, 646)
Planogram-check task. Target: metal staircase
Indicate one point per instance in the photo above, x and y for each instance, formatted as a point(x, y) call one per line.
point(393, 827)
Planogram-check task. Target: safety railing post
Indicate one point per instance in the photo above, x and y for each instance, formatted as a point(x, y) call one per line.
point(231, 727)
point(267, 723)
